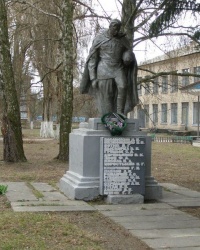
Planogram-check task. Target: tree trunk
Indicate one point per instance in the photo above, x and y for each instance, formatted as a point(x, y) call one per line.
point(11, 125)
point(128, 18)
point(67, 84)
point(46, 129)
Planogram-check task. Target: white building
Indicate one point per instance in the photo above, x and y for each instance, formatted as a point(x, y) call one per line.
point(163, 105)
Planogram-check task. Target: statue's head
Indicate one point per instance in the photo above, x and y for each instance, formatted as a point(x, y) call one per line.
point(114, 27)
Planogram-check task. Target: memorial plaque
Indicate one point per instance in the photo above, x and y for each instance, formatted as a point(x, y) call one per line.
point(122, 165)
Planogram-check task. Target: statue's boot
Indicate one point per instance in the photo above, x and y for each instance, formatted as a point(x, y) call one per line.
point(121, 99)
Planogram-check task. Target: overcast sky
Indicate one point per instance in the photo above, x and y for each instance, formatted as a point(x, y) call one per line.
point(113, 9)
point(145, 50)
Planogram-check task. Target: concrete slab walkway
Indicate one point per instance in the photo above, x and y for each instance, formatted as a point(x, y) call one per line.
point(41, 197)
point(160, 225)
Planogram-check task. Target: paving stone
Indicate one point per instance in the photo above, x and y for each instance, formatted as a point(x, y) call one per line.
point(195, 223)
point(181, 190)
point(185, 203)
point(53, 208)
point(189, 193)
point(171, 195)
point(144, 212)
point(54, 196)
point(161, 233)
point(179, 200)
point(43, 187)
point(130, 207)
point(23, 200)
point(49, 203)
point(171, 186)
point(18, 191)
point(163, 243)
point(157, 218)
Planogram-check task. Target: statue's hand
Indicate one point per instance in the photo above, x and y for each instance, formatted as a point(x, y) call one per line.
point(127, 63)
point(127, 57)
point(95, 83)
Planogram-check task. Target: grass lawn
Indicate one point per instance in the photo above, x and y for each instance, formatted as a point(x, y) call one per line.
point(53, 230)
point(171, 162)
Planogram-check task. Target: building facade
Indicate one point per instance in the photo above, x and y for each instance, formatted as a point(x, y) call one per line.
point(163, 103)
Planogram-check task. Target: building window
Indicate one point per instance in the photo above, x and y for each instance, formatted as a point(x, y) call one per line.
point(164, 113)
point(147, 88)
point(23, 108)
point(185, 79)
point(174, 112)
point(174, 83)
point(184, 113)
point(139, 86)
point(164, 84)
point(146, 111)
point(197, 71)
point(24, 115)
point(141, 116)
point(155, 113)
point(155, 86)
point(195, 113)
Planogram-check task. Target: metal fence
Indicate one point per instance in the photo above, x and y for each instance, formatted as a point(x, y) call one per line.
point(173, 139)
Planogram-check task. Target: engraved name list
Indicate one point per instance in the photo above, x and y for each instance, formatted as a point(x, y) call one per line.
point(123, 165)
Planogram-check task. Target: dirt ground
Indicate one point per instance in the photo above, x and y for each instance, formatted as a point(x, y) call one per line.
point(174, 163)
point(42, 167)
point(109, 235)
point(179, 164)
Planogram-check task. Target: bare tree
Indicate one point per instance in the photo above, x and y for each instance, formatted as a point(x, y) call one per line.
point(67, 85)
point(11, 124)
point(83, 105)
point(149, 20)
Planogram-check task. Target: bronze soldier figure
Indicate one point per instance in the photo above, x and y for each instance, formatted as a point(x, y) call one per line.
point(111, 72)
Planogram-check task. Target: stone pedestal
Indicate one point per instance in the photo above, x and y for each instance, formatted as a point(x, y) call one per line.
point(196, 143)
point(125, 199)
point(153, 191)
point(82, 181)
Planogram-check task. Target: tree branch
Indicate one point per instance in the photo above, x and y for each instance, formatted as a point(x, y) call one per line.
point(163, 73)
point(142, 39)
point(40, 10)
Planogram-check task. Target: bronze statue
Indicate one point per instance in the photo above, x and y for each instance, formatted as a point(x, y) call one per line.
point(111, 72)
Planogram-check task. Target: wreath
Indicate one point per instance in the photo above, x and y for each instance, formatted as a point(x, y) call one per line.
point(114, 122)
